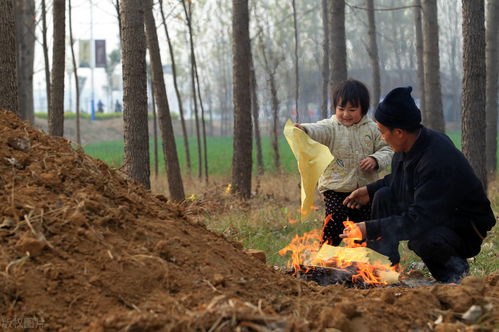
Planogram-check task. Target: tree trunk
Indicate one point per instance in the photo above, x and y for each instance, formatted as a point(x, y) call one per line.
point(46, 55)
point(297, 71)
point(154, 122)
point(169, 148)
point(25, 35)
point(373, 54)
point(56, 115)
point(473, 97)
point(9, 94)
point(337, 44)
point(431, 60)
point(491, 85)
point(256, 123)
point(203, 123)
point(419, 56)
point(275, 123)
point(177, 91)
point(133, 46)
point(188, 17)
point(325, 59)
point(75, 71)
point(241, 59)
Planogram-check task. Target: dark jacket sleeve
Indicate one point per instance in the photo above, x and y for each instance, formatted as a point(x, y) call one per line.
point(375, 186)
point(432, 205)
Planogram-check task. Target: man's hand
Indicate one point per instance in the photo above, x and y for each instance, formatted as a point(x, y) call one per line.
point(357, 198)
point(353, 231)
point(368, 164)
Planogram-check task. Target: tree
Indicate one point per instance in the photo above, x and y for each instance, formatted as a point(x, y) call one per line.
point(337, 43)
point(325, 59)
point(473, 97)
point(75, 72)
point(46, 54)
point(133, 48)
point(25, 36)
point(9, 97)
point(297, 71)
point(491, 84)
point(177, 91)
point(175, 184)
point(241, 53)
point(373, 53)
point(188, 20)
point(431, 62)
point(256, 121)
point(56, 114)
point(419, 57)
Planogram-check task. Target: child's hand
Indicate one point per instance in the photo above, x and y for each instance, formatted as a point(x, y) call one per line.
point(368, 164)
point(299, 126)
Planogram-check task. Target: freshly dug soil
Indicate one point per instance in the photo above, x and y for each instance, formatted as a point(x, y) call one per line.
point(84, 248)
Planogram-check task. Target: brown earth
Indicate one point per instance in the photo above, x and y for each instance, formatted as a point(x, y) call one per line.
point(83, 248)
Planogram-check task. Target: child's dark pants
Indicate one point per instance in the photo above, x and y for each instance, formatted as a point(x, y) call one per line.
point(340, 213)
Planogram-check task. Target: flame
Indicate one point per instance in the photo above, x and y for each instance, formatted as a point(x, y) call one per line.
point(304, 250)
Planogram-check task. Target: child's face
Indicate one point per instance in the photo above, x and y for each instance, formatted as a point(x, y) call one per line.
point(348, 115)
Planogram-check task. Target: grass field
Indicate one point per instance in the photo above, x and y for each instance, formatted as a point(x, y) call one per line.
point(219, 153)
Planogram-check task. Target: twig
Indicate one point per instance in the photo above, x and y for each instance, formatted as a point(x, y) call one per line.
point(17, 261)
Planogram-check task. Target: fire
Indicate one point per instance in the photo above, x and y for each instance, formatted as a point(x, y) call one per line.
point(308, 251)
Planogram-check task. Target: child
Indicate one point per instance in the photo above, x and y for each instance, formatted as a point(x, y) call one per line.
point(359, 154)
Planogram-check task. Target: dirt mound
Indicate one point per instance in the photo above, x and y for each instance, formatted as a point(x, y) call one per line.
point(82, 247)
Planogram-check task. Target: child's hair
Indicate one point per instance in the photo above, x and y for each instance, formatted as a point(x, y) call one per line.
point(354, 92)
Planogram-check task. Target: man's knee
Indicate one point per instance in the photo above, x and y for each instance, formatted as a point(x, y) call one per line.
point(438, 244)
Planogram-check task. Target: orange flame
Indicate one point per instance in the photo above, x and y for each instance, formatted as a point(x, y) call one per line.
point(304, 250)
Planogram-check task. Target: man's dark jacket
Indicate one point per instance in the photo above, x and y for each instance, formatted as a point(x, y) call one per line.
point(433, 185)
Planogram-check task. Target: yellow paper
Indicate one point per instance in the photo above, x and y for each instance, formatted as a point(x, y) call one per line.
point(312, 158)
point(359, 254)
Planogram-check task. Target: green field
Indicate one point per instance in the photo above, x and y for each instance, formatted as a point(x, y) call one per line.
point(219, 153)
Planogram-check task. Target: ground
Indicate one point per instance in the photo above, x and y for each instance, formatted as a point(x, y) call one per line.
point(84, 248)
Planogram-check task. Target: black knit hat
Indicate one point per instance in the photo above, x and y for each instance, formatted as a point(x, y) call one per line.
point(398, 110)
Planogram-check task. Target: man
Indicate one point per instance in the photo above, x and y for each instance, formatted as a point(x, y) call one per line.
point(432, 197)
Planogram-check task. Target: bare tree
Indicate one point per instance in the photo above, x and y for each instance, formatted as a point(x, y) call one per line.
point(373, 53)
point(25, 36)
point(491, 85)
point(9, 95)
point(175, 184)
point(241, 53)
point(203, 124)
point(431, 61)
point(154, 120)
point(256, 121)
point(133, 46)
point(473, 97)
point(177, 91)
point(325, 59)
point(56, 114)
point(188, 17)
point(297, 69)
point(337, 43)
point(419, 57)
point(75, 72)
point(46, 54)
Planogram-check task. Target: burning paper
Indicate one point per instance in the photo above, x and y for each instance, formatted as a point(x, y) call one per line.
point(312, 158)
